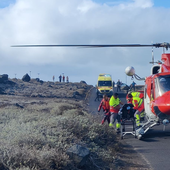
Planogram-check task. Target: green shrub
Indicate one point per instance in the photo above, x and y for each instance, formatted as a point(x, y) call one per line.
point(38, 136)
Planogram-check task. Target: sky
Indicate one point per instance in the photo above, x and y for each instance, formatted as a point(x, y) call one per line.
point(81, 22)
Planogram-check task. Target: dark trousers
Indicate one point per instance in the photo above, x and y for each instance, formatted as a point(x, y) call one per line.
point(106, 117)
point(118, 88)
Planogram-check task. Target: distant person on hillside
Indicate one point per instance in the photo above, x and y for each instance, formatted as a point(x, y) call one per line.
point(53, 78)
point(67, 79)
point(63, 78)
point(60, 77)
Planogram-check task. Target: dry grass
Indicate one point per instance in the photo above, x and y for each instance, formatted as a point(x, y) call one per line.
point(48, 119)
point(38, 136)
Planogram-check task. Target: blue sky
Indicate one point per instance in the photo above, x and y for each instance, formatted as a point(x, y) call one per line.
point(162, 3)
point(5, 3)
point(157, 3)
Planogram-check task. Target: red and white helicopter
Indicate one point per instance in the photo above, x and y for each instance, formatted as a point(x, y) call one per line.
point(156, 89)
point(156, 94)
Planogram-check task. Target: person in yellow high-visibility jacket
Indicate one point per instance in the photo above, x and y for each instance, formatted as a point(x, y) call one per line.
point(136, 95)
point(138, 104)
point(114, 109)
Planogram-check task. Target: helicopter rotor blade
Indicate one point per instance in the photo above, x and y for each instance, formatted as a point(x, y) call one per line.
point(88, 46)
point(157, 45)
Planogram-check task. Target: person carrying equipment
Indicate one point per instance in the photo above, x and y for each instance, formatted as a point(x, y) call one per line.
point(114, 109)
point(136, 95)
point(106, 108)
point(138, 104)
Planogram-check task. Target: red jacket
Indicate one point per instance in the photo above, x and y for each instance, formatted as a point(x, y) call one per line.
point(105, 105)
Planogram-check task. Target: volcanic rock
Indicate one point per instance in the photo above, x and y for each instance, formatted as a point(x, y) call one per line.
point(78, 154)
point(3, 78)
point(26, 78)
point(83, 82)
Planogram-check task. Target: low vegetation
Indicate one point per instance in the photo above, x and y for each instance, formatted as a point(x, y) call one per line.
point(40, 121)
point(38, 135)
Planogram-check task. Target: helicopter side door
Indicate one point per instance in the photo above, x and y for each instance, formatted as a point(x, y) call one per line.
point(149, 97)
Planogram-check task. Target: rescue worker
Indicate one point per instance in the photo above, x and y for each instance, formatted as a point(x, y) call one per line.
point(106, 108)
point(114, 109)
point(138, 104)
point(136, 95)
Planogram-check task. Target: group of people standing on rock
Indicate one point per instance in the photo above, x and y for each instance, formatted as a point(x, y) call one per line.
point(111, 107)
point(62, 78)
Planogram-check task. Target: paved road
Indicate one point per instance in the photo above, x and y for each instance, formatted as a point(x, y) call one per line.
point(154, 147)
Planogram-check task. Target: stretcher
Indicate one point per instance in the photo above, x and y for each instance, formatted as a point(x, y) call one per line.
point(127, 120)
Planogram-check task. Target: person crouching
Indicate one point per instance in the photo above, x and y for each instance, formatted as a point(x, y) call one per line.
point(138, 104)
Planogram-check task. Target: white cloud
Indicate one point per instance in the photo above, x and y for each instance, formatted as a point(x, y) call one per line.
point(80, 22)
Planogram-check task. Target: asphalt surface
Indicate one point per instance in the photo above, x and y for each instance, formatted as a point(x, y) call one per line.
point(154, 147)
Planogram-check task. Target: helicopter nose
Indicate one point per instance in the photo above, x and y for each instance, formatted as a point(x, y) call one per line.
point(163, 103)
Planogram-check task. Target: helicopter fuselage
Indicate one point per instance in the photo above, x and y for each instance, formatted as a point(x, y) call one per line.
point(157, 90)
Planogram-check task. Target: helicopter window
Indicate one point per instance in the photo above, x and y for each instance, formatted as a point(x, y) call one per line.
point(162, 85)
point(104, 83)
point(155, 69)
point(156, 89)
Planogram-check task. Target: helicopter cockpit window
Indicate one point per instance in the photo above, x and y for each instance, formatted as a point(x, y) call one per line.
point(155, 69)
point(104, 83)
point(162, 85)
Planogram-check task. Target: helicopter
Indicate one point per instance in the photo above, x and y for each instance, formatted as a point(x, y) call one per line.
point(156, 88)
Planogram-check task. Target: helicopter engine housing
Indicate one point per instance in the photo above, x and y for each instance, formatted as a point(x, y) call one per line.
point(130, 71)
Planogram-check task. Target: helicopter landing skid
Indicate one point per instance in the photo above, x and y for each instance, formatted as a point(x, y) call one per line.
point(145, 127)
